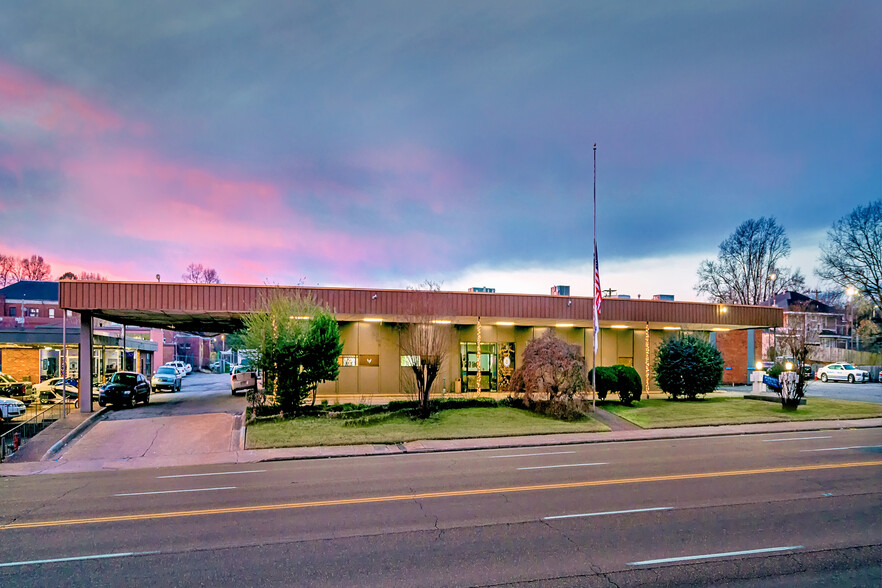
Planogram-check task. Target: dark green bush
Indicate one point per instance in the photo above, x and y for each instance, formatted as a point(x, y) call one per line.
point(630, 386)
point(775, 370)
point(621, 379)
point(687, 366)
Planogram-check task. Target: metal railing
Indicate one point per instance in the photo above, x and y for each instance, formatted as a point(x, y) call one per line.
point(28, 429)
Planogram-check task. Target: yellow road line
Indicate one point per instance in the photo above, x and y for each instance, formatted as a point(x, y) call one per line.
point(427, 495)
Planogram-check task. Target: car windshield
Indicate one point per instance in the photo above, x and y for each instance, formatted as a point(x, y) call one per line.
point(166, 370)
point(5, 378)
point(847, 366)
point(118, 378)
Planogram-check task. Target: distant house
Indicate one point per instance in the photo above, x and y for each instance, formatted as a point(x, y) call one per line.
point(831, 326)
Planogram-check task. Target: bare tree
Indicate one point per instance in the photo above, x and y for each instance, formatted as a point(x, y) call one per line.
point(8, 270)
point(92, 276)
point(197, 274)
point(33, 268)
point(796, 341)
point(852, 254)
point(424, 340)
point(748, 268)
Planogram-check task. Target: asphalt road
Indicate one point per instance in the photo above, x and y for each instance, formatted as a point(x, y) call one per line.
point(796, 509)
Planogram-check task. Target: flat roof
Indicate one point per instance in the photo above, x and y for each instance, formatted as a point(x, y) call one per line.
point(220, 308)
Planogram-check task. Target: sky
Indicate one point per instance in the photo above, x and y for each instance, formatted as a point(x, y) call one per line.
point(381, 144)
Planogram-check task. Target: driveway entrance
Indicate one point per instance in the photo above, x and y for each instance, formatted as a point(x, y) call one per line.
point(200, 420)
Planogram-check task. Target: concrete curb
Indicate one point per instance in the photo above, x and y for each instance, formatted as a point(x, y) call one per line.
point(74, 433)
point(438, 446)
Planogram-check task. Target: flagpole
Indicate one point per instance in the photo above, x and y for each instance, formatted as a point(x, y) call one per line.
point(594, 346)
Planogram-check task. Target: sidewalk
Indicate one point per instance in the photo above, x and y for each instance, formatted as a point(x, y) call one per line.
point(54, 437)
point(427, 446)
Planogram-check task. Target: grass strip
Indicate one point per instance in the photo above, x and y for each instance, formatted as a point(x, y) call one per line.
point(658, 413)
point(463, 423)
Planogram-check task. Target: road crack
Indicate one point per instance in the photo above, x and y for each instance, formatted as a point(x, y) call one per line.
point(592, 566)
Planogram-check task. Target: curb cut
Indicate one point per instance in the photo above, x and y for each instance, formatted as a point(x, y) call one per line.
point(74, 433)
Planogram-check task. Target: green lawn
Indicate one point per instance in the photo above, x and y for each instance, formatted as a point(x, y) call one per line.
point(463, 423)
point(661, 413)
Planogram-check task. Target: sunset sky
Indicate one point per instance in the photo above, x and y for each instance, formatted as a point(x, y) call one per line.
point(381, 144)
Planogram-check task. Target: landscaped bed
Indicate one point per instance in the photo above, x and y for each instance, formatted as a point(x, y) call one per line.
point(459, 423)
point(661, 413)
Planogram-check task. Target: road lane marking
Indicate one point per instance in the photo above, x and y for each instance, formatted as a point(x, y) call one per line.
point(710, 555)
point(428, 495)
point(796, 439)
point(78, 558)
point(567, 465)
point(530, 454)
point(840, 448)
point(210, 474)
point(176, 491)
point(609, 512)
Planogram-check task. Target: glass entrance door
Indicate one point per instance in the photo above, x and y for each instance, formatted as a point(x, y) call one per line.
point(469, 367)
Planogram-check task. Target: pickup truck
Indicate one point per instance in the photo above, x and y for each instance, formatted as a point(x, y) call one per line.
point(12, 388)
point(243, 379)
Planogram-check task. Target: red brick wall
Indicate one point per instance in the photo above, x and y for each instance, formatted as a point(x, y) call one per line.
point(733, 346)
point(22, 364)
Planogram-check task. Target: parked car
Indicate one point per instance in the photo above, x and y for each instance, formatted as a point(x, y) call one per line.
point(242, 379)
point(11, 408)
point(167, 377)
point(843, 371)
point(178, 365)
point(125, 389)
point(12, 388)
point(51, 390)
point(808, 373)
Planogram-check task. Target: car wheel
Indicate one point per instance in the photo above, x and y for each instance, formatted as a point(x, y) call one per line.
point(823, 377)
point(147, 399)
point(850, 379)
point(102, 404)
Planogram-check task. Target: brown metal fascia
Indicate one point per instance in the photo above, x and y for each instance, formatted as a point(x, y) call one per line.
point(396, 304)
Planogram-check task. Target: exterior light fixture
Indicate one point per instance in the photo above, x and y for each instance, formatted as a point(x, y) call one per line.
point(619, 327)
point(719, 329)
point(505, 323)
point(788, 366)
point(301, 318)
point(441, 322)
point(724, 310)
point(672, 328)
point(759, 365)
point(371, 319)
point(563, 325)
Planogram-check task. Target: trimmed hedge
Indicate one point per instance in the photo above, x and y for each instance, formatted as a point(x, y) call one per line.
point(621, 379)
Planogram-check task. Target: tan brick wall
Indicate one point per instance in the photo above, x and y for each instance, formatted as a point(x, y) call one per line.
point(22, 364)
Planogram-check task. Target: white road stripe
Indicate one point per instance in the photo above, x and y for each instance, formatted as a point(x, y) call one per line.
point(176, 491)
point(79, 558)
point(796, 439)
point(610, 512)
point(210, 474)
point(531, 454)
point(839, 448)
point(569, 465)
point(710, 555)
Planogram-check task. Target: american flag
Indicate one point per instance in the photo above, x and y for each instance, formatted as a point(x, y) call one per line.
point(598, 297)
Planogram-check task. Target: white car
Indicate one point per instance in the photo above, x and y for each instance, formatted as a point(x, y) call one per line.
point(11, 408)
point(51, 390)
point(180, 366)
point(843, 371)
